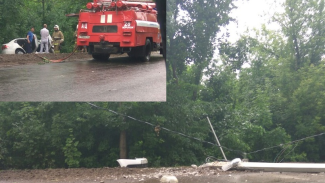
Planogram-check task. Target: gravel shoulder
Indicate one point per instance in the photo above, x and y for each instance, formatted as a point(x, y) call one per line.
point(153, 175)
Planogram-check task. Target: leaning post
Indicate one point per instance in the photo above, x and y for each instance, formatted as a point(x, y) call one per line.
point(224, 156)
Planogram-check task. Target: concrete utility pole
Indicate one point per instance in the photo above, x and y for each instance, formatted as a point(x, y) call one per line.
point(224, 156)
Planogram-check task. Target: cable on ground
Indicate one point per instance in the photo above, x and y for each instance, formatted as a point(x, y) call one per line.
point(59, 60)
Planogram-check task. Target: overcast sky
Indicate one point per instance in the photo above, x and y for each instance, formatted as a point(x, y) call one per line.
point(249, 14)
point(252, 14)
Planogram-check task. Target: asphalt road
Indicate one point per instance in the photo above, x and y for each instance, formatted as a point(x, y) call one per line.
point(119, 79)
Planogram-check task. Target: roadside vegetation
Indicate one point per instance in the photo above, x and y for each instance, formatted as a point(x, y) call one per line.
point(17, 16)
point(278, 99)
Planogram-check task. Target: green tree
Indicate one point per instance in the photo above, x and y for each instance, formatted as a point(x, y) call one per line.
point(302, 24)
point(17, 17)
point(71, 153)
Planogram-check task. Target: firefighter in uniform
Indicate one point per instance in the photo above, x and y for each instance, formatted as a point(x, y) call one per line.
point(58, 38)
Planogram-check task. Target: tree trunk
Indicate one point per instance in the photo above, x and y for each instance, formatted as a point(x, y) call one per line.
point(297, 52)
point(197, 79)
point(43, 10)
point(174, 72)
point(123, 150)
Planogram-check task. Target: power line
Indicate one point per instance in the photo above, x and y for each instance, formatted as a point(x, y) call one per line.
point(130, 117)
point(280, 145)
point(187, 136)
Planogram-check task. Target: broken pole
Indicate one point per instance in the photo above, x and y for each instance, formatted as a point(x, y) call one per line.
point(214, 133)
point(272, 167)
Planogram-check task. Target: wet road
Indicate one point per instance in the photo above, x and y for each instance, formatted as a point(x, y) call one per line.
point(118, 79)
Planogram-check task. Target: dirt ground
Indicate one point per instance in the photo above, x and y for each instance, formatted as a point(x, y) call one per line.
point(152, 175)
point(11, 60)
point(7, 60)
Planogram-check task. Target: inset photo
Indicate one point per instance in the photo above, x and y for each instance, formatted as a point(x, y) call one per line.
point(102, 50)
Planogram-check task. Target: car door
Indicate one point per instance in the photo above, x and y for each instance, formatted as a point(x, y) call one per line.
point(35, 43)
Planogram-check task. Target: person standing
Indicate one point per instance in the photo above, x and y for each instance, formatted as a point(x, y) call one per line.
point(30, 37)
point(58, 38)
point(45, 39)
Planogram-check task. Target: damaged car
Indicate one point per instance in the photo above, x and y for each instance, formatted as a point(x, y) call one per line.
point(19, 46)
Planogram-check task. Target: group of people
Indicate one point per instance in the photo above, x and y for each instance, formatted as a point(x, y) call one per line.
point(56, 39)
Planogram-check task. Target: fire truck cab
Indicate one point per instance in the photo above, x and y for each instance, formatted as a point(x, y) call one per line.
point(115, 26)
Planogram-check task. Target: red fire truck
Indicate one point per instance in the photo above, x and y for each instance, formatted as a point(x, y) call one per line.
point(116, 26)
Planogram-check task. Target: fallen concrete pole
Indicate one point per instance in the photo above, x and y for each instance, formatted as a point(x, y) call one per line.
point(137, 162)
point(282, 167)
point(272, 167)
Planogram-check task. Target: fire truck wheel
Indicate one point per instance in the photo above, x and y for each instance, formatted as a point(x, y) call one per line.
point(147, 51)
point(101, 56)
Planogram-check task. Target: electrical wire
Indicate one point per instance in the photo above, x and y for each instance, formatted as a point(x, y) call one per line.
point(203, 141)
point(212, 159)
point(166, 129)
point(280, 145)
point(288, 152)
point(279, 154)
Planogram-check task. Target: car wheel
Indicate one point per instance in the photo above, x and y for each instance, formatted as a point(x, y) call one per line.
point(146, 51)
point(19, 51)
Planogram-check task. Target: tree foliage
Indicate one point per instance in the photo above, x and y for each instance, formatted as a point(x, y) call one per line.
point(17, 17)
point(276, 96)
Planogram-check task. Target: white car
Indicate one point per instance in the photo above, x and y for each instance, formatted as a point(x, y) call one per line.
point(18, 46)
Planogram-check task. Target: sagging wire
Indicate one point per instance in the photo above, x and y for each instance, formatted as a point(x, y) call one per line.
point(279, 154)
point(280, 145)
point(163, 128)
point(203, 141)
point(212, 159)
point(289, 152)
